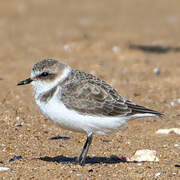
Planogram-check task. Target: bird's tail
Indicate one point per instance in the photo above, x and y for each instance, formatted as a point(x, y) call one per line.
point(137, 109)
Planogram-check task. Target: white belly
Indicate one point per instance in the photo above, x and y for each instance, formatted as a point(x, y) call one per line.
point(56, 111)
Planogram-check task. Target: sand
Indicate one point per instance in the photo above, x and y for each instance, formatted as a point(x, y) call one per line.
point(92, 36)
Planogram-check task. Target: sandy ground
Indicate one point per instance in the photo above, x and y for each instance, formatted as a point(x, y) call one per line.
point(92, 36)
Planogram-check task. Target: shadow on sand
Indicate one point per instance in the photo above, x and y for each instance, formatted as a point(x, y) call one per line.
point(89, 160)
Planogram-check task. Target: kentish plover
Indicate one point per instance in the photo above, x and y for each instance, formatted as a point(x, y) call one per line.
point(81, 102)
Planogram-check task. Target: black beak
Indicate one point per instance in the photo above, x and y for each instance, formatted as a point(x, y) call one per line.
point(26, 81)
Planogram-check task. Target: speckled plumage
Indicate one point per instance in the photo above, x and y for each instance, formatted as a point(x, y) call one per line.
point(88, 94)
point(81, 102)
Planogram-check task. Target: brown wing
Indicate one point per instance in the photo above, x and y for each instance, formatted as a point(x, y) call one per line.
point(89, 95)
point(137, 109)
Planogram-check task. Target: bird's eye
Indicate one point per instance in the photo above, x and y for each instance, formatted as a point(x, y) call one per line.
point(45, 74)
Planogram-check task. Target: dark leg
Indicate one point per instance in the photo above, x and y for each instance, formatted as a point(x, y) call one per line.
point(80, 159)
point(86, 151)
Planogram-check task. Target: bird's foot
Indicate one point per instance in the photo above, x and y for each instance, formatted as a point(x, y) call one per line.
point(80, 161)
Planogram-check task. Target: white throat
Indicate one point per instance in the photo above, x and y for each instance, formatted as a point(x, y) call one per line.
point(41, 87)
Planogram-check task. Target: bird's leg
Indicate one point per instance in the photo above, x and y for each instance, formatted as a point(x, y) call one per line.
point(80, 159)
point(89, 138)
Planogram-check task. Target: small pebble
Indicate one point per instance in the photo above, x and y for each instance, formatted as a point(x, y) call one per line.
point(157, 174)
point(157, 71)
point(172, 103)
point(177, 145)
point(167, 131)
point(4, 168)
point(144, 155)
point(178, 100)
point(128, 142)
point(115, 48)
point(15, 158)
point(90, 170)
point(66, 47)
point(19, 124)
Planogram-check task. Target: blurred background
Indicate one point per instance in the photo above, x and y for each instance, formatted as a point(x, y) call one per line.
point(102, 37)
point(133, 45)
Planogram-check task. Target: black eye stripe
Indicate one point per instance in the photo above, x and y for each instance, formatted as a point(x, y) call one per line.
point(46, 76)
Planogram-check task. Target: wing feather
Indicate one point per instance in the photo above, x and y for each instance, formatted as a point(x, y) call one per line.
point(89, 95)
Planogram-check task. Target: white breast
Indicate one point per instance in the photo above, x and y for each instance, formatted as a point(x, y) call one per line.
point(56, 111)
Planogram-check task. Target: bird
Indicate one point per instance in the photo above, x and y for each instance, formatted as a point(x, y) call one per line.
point(81, 102)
